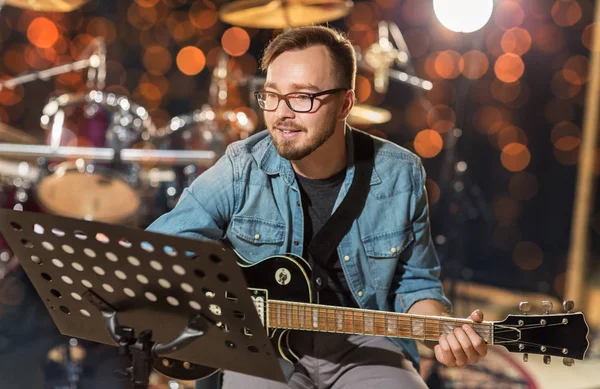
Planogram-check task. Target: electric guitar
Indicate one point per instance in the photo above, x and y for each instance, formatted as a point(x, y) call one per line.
point(281, 290)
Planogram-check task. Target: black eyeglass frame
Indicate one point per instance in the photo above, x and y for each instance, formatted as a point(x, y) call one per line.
point(312, 97)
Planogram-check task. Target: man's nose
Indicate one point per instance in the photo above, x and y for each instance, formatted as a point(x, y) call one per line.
point(283, 111)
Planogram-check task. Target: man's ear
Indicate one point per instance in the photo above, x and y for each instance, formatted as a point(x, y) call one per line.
point(348, 103)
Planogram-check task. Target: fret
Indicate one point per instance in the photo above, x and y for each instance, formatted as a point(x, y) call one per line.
point(308, 315)
point(322, 318)
point(339, 320)
point(391, 325)
point(359, 324)
point(379, 325)
point(300, 317)
point(278, 315)
point(315, 318)
point(348, 321)
point(369, 325)
point(296, 316)
point(290, 323)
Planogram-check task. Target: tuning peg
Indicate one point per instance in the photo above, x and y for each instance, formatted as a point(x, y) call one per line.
point(525, 357)
point(568, 361)
point(524, 307)
point(547, 359)
point(568, 305)
point(546, 306)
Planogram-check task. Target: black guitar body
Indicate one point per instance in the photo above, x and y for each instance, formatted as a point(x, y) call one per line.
point(282, 277)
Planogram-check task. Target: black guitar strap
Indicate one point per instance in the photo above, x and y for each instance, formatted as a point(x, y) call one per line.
point(325, 242)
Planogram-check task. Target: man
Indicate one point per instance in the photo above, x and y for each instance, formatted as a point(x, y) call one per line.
point(272, 192)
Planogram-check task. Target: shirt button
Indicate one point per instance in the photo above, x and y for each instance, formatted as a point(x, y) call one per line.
point(346, 258)
point(298, 203)
point(393, 250)
point(257, 236)
point(296, 243)
point(360, 293)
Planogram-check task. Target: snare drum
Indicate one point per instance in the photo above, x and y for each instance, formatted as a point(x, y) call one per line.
point(86, 189)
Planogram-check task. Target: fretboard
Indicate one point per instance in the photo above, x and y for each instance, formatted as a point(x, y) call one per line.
point(324, 318)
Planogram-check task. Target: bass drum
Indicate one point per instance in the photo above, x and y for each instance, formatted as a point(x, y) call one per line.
point(101, 191)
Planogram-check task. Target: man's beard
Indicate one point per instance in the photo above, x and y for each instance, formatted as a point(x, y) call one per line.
point(291, 150)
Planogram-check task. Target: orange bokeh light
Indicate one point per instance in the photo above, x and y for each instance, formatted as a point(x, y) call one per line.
point(441, 118)
point(447, 64)
point(576, 70)
point(157, 60)
point(428, 143)
point(566, 13)
point(523, 186)
point(235, 41)
point(528, 256)
point(191, 60)
point(511, 134)
point(42, 33)
point(361, 17)
point(473, 64)
point(565, 136)
point(515, 157)
point(433, 191)
point(548, 38)
point(506, 209)
point(147, 3)
point(485, 118)
point(506, 92)
point(586, 37)
point(443, 92)
point(561, 87)
point(202, 17)
point(363, 89)
point(509, 14)
point(509, 67)
point(516, 40)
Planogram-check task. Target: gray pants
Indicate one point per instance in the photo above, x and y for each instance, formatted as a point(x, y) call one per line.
point(338, 361)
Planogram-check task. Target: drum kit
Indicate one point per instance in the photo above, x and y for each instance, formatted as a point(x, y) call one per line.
point(104, 159)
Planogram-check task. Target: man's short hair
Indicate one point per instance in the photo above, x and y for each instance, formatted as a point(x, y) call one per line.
point(340, 50)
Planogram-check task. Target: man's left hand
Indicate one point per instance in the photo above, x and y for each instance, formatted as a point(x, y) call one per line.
point(462, 347)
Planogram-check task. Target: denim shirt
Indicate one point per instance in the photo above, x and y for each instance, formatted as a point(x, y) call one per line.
point(251, 198)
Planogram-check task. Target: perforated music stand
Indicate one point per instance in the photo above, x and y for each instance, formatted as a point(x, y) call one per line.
point(153, 294)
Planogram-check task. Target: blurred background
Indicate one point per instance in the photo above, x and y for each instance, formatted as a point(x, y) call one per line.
point(495, 109)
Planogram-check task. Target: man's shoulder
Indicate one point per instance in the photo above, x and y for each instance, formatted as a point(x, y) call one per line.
point(387, 152)
point(252, 148)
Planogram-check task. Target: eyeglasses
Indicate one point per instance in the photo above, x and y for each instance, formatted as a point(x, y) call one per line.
point(296, 101)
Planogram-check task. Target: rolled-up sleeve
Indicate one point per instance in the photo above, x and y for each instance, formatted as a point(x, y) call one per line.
point(419, 267)
point(205, 208)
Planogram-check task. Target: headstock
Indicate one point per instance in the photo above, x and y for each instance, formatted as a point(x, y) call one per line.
point(561, 335)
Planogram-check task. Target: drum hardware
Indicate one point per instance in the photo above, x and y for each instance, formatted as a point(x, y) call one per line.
point(276, 14)
point(366, 115)
point(45, 5)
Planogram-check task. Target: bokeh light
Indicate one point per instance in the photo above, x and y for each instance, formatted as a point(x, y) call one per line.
point(508, 14)
point(506, 210)
point(433, 191)
point(463, 15)
point(235, 41)
point(190, 60)
point(515, 157)
point(566, 12)
point(516, 40)
point(575, 70)
point(528, 256)
point(363, 88)
point(428, 143)
point(441, 118)
point(561, 87)
point(565, 136)
point(473, 64)
point(548, 38)
point(510, 134)
point(447, 64)
point(42, 32)
point(201, 16)
point(523, 186)
point(443, 92)
point(157, 60)
point(509, 67)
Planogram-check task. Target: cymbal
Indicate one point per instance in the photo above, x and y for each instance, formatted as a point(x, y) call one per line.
point(47, 5)
point(275, 14)
point(364, 115)
point(11, 134)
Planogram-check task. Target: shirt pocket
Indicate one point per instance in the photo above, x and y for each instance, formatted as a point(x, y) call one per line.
point(383, 250)
point(255, 239)
point(388, 244)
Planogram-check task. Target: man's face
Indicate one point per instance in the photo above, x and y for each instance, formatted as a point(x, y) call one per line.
point(296, 135)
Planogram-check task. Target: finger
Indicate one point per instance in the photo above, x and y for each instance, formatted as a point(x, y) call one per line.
point(477, 341)
point(457, 350)
point(477, 316)
point(443, 353)
point(467, 346)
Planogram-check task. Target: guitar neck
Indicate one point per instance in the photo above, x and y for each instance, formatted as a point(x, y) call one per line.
point(324, 318)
